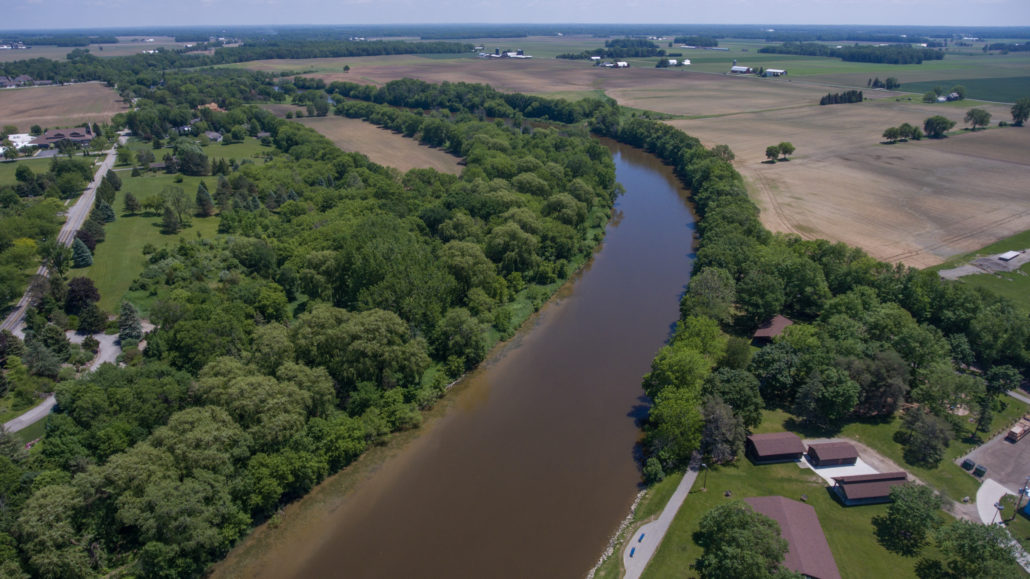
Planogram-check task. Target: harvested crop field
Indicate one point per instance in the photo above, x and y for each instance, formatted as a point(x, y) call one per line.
point(382, 146)
point(917, 202)
point(59, 106)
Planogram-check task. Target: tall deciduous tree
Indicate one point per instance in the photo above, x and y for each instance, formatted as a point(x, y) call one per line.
point(786, 149)
point(1020, 111)
point(978, 118)
point(738, 542)
point(772, 152)
point(912, 515)
point(722, 436)
point(937, 125)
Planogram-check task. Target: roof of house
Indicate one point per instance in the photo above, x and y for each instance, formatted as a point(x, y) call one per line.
point(867, 486)
point(776, 443)
point(773, 327)
point(808, 551)
point(833, 450)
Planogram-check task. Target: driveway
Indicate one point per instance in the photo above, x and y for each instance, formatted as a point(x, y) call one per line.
point(1008, 463)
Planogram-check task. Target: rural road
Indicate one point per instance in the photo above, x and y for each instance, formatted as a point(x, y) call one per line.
point(75, 217)
point(645, 541)
point(34, 415)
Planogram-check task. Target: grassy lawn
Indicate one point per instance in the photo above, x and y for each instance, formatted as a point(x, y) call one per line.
point(948, 478)
point(7, 169)
point(1014, 285)
point(1017, 522)
point(849, 530)
point(119, 259)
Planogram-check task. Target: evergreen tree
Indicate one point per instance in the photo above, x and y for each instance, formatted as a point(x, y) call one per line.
point(132, 205)
point(102, 212)
point(205, 205)
point(129, 326)
point(91, 320)
point(81, 255)
point(170, 223)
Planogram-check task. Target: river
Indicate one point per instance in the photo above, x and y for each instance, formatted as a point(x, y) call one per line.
point(533, 466)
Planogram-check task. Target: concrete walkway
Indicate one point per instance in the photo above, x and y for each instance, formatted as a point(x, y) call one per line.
point(1019, 396)
point(645, 541)
point(990, 492)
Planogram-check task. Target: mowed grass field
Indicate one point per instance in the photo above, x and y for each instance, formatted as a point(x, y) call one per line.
point(918, 203)
point(59, 106)
point(382, 146)
point(8, 169)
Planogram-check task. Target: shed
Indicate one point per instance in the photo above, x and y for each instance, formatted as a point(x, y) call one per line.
point(832, 454)
point(774, 447)
point(775, 72)
point(867, 489)
point(741, 70)
point(808, 552)
point(772, 328)
point(1009, 255)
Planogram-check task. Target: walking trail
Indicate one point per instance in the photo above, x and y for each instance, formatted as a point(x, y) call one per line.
point(648, 537)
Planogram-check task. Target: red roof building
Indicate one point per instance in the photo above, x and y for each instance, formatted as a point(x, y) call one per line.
point(808, 552)
point(774, 327)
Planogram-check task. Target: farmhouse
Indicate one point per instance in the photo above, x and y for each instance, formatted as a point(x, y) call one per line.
point(808, 552)
point(867, 489)
point(769, 330)
point(214, 136)
point(775, 72)
point(832, 454)
point(774, 447)
point(741, 69)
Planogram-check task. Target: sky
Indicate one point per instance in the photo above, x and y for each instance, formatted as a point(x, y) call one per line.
point(47, 14)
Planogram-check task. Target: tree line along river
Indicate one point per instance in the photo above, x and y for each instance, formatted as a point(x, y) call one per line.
point(533, 465)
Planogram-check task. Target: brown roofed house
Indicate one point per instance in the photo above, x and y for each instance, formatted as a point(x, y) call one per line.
point(867, 489)
point(808, 553)
point(832, 454)
point(774, 447)
point(769, 330)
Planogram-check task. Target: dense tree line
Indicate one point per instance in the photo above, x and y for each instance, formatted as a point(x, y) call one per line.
point(893, 54)
point(848, 96)
point(703, 41)
point(869, 335)
point(342, 299)
point(619, 48)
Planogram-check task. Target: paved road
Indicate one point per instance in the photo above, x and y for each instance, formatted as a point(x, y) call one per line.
point(1019, 396)
point(75, 217)
point(645, 541)
point(32, 416)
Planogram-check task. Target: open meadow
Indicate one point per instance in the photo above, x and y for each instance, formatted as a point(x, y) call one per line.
point(382, 146)
point(59, 106)
point(126, 46)
point(916, 202)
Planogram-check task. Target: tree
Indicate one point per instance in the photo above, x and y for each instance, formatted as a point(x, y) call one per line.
point(959, 90)
point(125, 156)
point(827, 397)
point(36, 130)
point(102, 212)
point(976, 550)
point(91, 320)
point(674, 426)
point(739, 542)
point(786, 149)
point(978, 118)
point(910, 518)
point(170, 223)
point(710, 293)
point(723, 152)
point(81, 292)
point(937, 125)
point(930, 97)
point(460, 337)
point(722, 436)
point(740, 390)
point(129, 325)
point(892, 134)
point(772, 152)
point(205, 206)
point(23, 174)
point(81, 256)
point(905, 131)
point(1021, 111)
point(132, 205)
point(926, 437)
point(177, 200)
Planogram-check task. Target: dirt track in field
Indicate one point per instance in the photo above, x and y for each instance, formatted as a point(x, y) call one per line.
point(59, 106)
point(917, 203)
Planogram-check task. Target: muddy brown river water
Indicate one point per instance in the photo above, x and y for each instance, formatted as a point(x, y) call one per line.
point(533, 466)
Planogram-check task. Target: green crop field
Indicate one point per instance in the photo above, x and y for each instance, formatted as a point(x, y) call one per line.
point(1004, 89)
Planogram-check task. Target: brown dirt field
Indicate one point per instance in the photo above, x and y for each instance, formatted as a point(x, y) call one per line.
point(917, 203)
point(382, 146)
point(59, 106)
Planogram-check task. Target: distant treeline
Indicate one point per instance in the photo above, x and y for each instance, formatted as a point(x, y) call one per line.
point(619, 48)
point(61, 39)
point(894, 54)
point(696, 40)
point(1009, 47)
point(836, 98)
